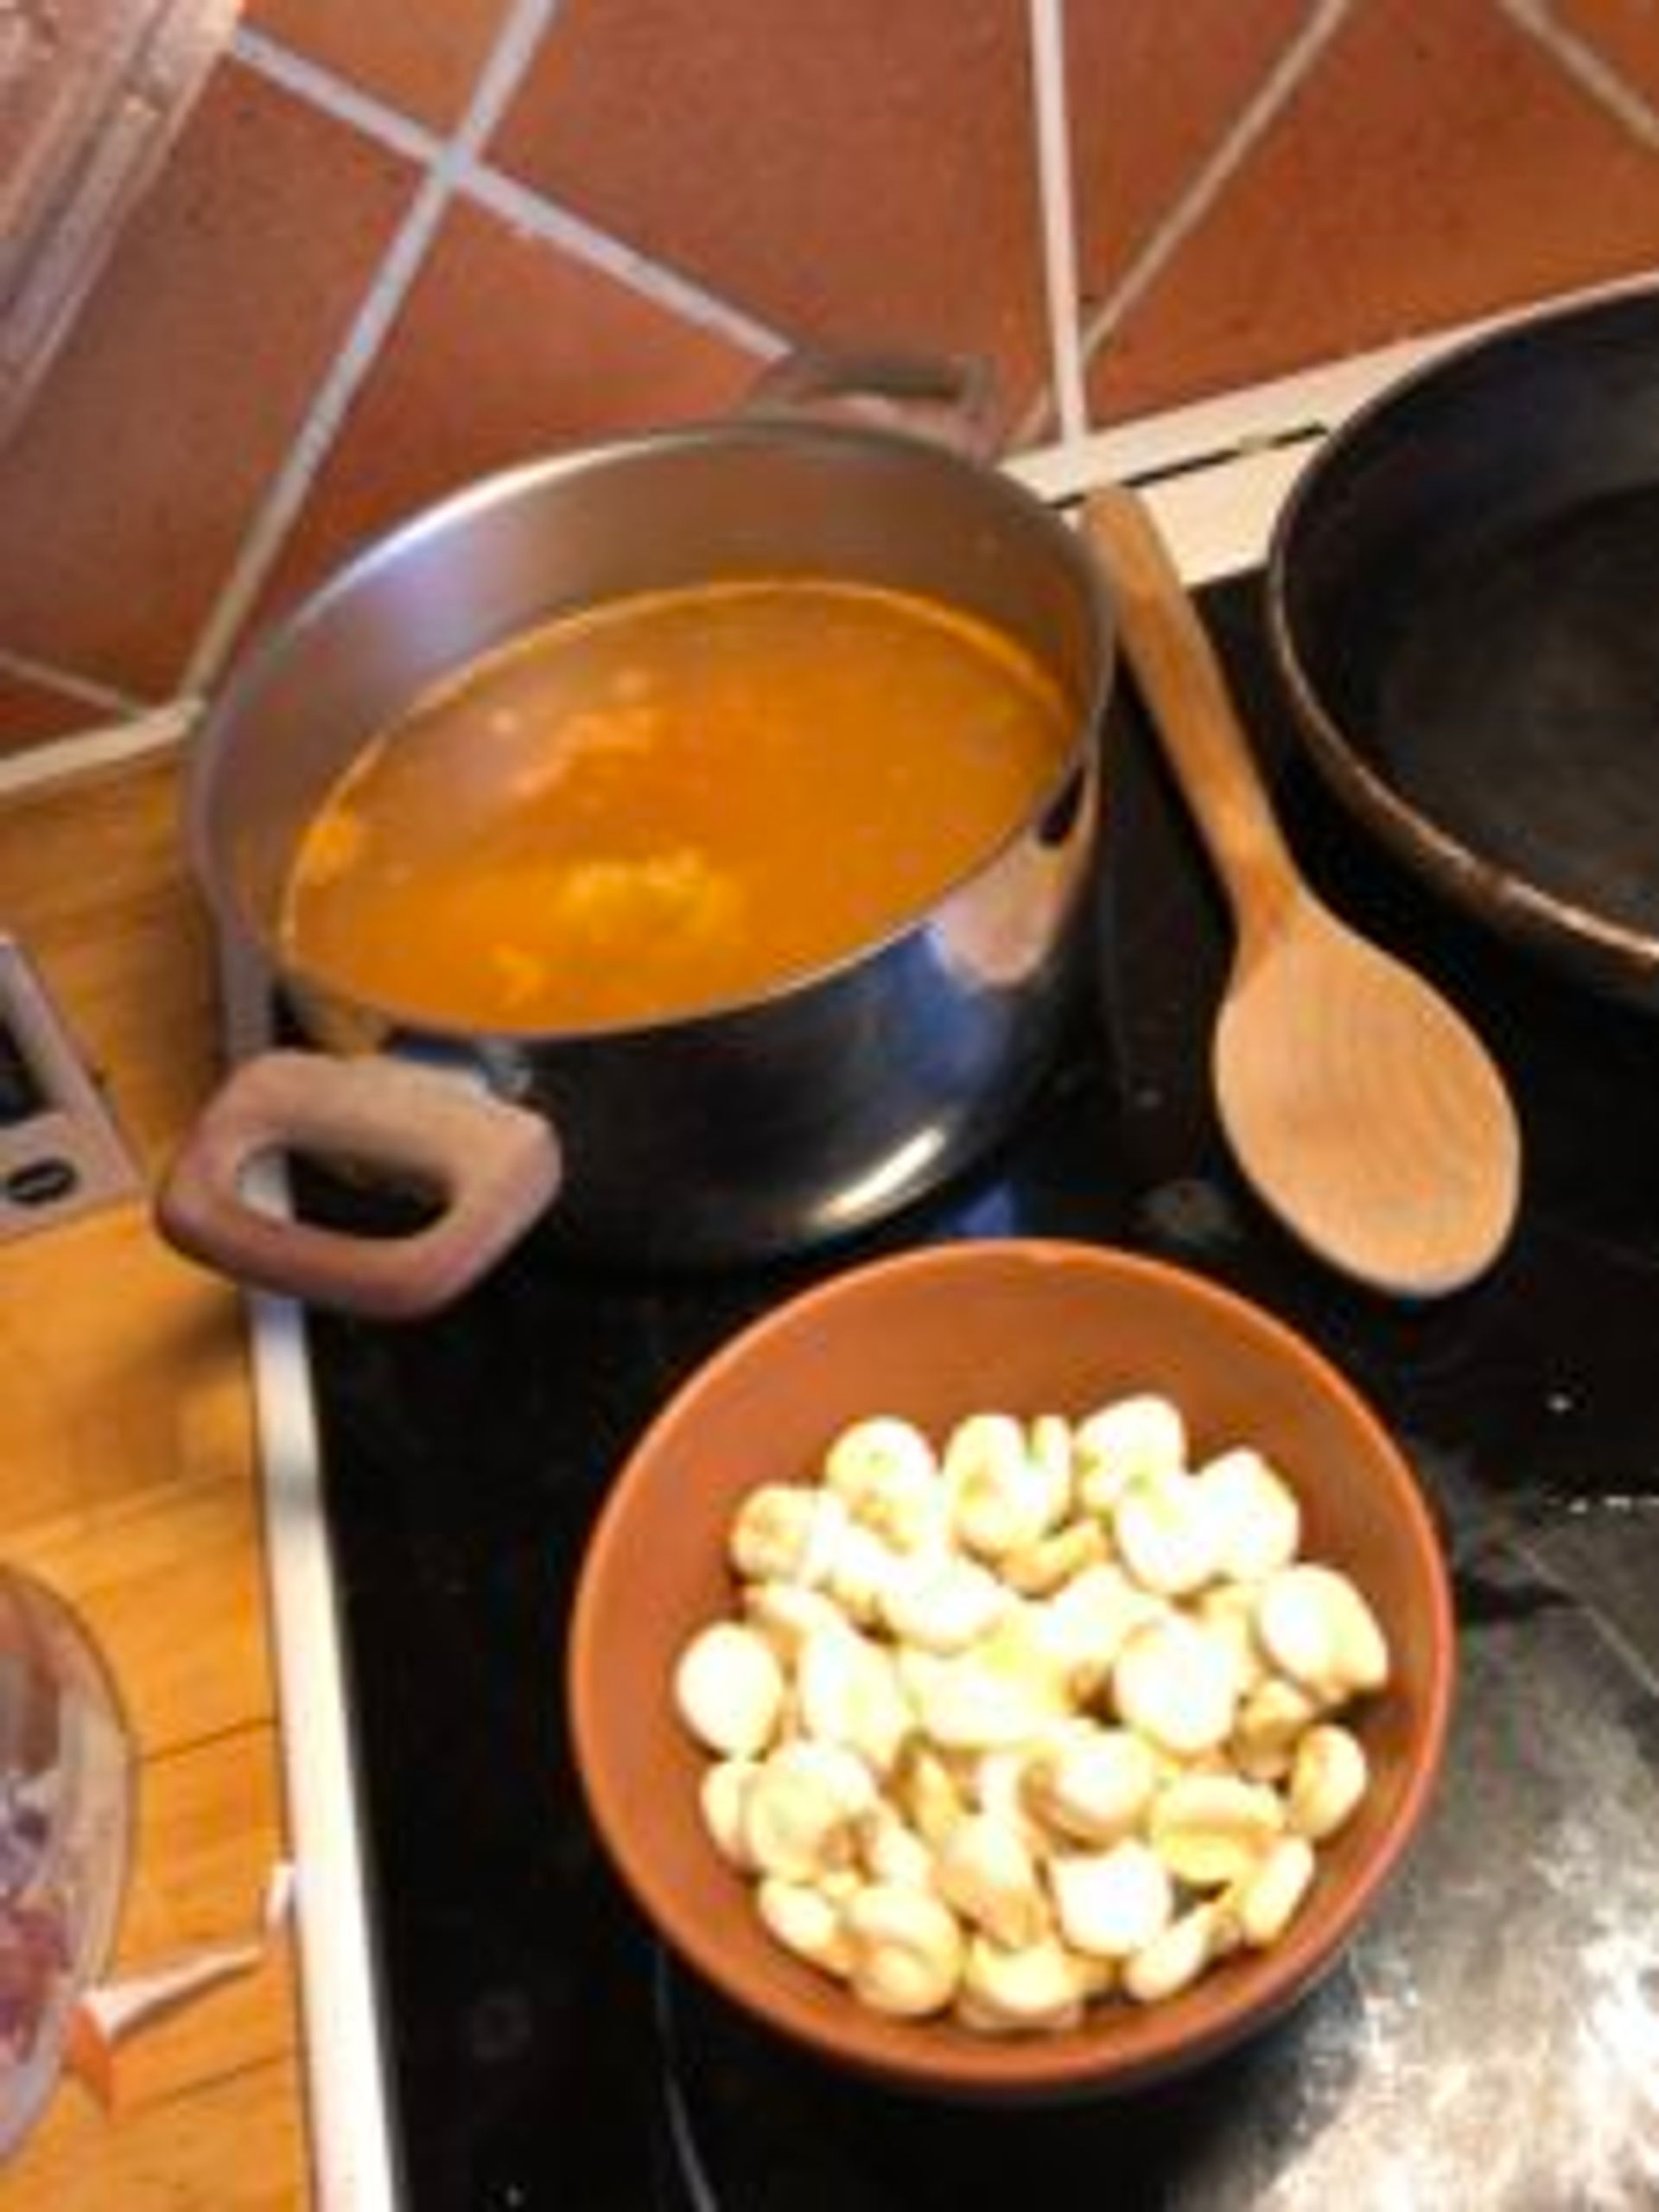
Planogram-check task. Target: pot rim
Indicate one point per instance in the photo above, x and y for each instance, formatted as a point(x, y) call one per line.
point(276, 646)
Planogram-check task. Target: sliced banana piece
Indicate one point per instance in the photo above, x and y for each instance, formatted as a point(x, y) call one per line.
point(1094, 1785)
point(722, 1795)
point(861, 1567)
point(1002, 1499)
point(786, 1532)
point(1227, 1610)
point(880, 1449)
point(890, 1850)
point(1110, 1905)
point(1328, 1779)
point(1174, 1681)
point(1176, 1957)
point(1273, 1718)
point(806, 1922)
point(1167, 1534)
point(1002, 1692)
point(905, 1950)
point(728, 1689)
point(1253, 1510)
point(1036, 1986)
point(786, 1613)
point(998, 1787)
point(1053, 1561)
point(1268, 1898)
point(1049, 1438)
point(941, 1602)
point(1084, 1626)
point(927, 1793)
point(1125, 1442)
point(801, 1808)
point(1213, 1829)
point(986, 1869)
point(885, 1473)
point(1316, 1627)
point(849, 1692)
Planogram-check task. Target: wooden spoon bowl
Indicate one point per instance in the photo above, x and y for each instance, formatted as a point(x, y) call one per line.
point(1360, 1106)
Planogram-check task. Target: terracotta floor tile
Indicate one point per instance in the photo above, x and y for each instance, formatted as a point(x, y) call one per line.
point(852, 174)
point(1152, 93)
point(1435, 167)
point(421, 57)
point(32, 713)
point(506, 347)
point(129, 485)
point(1624, 34)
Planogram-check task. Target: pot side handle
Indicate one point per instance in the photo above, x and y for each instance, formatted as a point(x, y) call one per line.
point(950, 398)
point(494, 1167)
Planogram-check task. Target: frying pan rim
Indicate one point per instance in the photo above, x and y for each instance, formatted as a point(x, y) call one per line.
point(1547, 919)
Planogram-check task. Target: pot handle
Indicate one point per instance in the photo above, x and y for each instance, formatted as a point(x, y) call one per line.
point(494, 1167)
point(950, 398)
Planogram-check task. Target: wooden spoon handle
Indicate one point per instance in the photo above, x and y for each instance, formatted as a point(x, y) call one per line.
point(1187, 699)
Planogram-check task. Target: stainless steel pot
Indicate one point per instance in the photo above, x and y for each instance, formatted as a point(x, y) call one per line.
point(733, 1133)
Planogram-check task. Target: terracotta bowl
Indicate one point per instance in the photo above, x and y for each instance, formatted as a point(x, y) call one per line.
point(1022, 1327)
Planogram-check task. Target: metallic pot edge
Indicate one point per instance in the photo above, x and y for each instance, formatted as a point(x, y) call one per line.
point(745, 1131)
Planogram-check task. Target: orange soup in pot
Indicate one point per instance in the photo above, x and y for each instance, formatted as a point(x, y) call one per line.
point(670, 802)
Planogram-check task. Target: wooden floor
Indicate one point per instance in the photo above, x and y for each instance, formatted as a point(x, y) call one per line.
point(127, 1482)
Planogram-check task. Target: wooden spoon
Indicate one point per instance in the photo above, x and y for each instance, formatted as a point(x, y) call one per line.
point(1361, 1108)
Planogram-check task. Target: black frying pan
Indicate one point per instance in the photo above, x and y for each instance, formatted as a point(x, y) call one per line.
point(1464, 595)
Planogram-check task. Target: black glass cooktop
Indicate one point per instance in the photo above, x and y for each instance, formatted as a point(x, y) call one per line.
point(1492, 2041)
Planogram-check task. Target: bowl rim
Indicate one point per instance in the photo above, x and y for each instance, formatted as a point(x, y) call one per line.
point(1035, 2066)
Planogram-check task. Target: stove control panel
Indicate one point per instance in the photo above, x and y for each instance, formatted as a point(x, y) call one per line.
point(60, 1151)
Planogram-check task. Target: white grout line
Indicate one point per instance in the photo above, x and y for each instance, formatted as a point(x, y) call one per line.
point(1588, 67)
point(519, 203)
point(1290, 69)
point(532, 212)
point(308, 80)
point(517, 42)
point(1046, 23)
point(85, 691)
point(85, 751)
